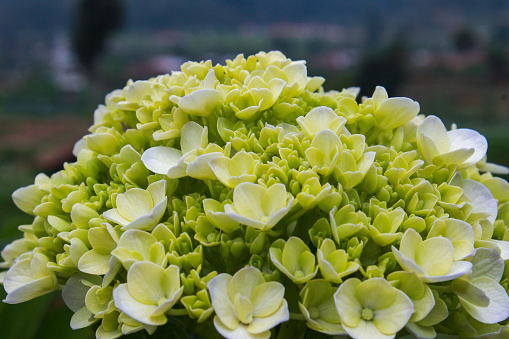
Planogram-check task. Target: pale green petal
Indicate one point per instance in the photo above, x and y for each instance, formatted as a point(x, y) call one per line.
point(435, 256)
point(267, 298)
point(365, 330)
point(407, 264)
point(171, 281)
point(200, 102)
point(101, 240)
point(149, 221)
point(395, 112)
point(349, 308)
point(221, 168)
point(437, 314)
point(82, 318)
point(274, 199)
point(192, 137)
point(114, 216)
point(435, 130)
point(30, 290)
point(247, 199)
point(168, 304)
point(498, 309)
point(237, 332)
point(411, 239)
point(291, 252)
point(391, 319)
point(261, 325)
point(157, 190)
point(376, 294)
point(422, 332)
point(144, 282)
point(232, 213)
point(487, 263)
point(458, 269)
point(454, 157)
point(94, 263)
point(136, 310)
point(465, 289)
point(77, 249)
point(481, 197)
point(423, 306)
point(134, 203)
point(223, 306)
point(74, 291)
point(199, 167)
point(137, 241)
point(244, 282)
point(27, 198)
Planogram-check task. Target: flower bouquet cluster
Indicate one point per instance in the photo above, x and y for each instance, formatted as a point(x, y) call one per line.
point(243, 198)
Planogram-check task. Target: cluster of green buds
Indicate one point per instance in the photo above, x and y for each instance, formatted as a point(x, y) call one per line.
point(243, 197)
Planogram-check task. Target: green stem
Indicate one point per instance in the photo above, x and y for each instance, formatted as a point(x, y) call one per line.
point(297, 316)
point(297, 215)
point(211, 189)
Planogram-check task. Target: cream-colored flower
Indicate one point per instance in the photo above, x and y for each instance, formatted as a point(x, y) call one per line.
point(432, 259)
point(257, 206)
point(372, 309)
point(138, 208)
point(319, 119)
point(29, 278)
point(149, 293)
point(246, 306)
point(463, 147)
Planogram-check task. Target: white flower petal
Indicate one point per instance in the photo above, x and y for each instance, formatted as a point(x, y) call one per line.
point(497, 310)
point(481, 197)
point(467, 138)
point(365, 330)
point(238, 332)
point(218, 288)
point(160, 159)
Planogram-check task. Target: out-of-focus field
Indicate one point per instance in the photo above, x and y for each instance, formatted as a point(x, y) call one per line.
point(451, 58)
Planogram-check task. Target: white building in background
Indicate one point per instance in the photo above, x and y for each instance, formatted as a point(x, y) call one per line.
point(65, 71)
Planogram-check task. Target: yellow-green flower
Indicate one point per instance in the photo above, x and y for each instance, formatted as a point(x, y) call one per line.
point(372, 308)
point(432, 259)
point(319, 119)
point(149, 293)
point(334, 263)
point(318, 307)
point(138, 208)
point(29, 278)
point(294, 259)
point(246, 305)
point(462, 147)
point(242, 167)
point(257, 206)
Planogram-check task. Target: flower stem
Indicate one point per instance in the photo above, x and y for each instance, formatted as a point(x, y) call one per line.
point(296, 316)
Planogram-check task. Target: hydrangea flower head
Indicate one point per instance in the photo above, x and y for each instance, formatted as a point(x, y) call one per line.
point(245, 201)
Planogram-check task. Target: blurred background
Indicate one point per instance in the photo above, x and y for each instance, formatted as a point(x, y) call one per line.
point(58, 59)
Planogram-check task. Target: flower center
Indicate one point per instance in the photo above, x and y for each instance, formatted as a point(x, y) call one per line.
point(313, 312)
point(211, 237)
point(367, 314)
point(299, 274)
